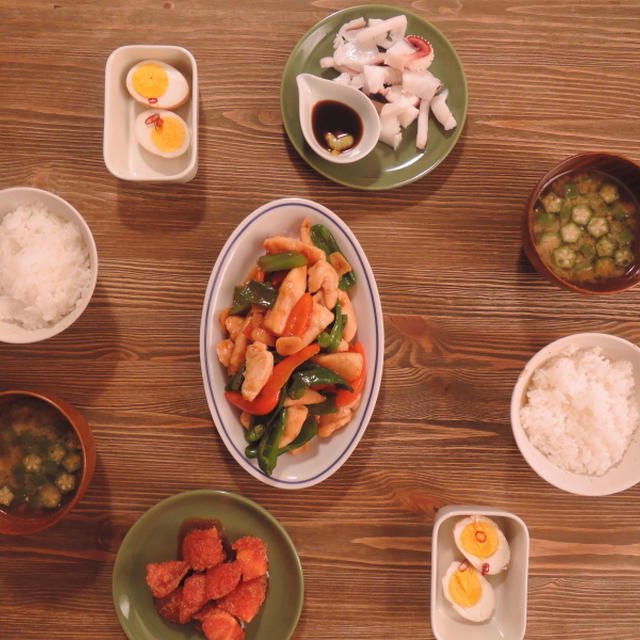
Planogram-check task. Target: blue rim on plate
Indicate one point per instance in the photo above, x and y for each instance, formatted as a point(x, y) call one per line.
point(383, 168)
point(234, 260)
point(154, 538)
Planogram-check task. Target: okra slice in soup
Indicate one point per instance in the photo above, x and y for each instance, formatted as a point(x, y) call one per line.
point(570, 232)
point(581, 214)
point(564, 257)
point(598, 226)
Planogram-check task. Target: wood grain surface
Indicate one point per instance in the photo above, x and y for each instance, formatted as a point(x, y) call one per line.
point(463, 309)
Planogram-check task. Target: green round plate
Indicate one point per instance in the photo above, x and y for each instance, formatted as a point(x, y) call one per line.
point(383, 168)
point(153, 538)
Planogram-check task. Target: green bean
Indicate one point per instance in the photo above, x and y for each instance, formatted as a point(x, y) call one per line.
point(281, 261)
point(255, 432)
point(234, 383)
point(251, 450)
point(268, 445)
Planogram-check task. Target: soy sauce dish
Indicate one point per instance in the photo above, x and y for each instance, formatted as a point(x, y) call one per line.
point(322, 456)
point(338, 122)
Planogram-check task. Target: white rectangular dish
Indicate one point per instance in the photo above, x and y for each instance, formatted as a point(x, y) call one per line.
point(510, 586)
point(123, 156)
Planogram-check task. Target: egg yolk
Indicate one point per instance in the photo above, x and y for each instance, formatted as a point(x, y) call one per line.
point(464, 587)
point(150, 80)
point(168, 134)
point(479, 539)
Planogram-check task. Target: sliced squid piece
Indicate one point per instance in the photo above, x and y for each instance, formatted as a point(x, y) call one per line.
point(349, 30)
point(377, 31)
point(421, 83)
point(442, 112)
point(352, 56)
point(405, 113)
point(374, 78)
point(399, 55)
point(396, 93)
point(423, 125)
point(390, 132)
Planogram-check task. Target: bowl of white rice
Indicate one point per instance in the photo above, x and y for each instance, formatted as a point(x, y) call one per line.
point(575, 412)
point(48, 265)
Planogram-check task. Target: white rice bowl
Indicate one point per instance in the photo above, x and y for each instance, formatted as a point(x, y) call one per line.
point(48, 265)
point(575, 413)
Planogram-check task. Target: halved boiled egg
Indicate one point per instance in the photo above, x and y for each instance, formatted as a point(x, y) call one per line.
point(157, 84)
point(470, 593)
point(162, 132)
point(482, 543)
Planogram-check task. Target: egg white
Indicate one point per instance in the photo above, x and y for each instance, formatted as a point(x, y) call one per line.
point(143, 128)
point(483, 609)
point(175, 95)
point(495, 563)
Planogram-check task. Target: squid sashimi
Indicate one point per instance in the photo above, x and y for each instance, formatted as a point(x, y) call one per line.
point(378, 57)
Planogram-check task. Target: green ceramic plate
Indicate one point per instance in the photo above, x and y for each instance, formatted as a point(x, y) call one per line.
point(383, 168)
point(153, 538)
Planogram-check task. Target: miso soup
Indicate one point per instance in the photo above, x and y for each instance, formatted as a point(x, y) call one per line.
point(585, 227)
point(40, 457)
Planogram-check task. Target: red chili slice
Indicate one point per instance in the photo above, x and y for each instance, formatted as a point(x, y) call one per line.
point(481, 536)
point(153, 100)
point(421, 45)
point(152, 119)
point(485, 568)
point(463, 566)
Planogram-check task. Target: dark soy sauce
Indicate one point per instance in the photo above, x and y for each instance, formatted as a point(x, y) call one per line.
point(330, 116)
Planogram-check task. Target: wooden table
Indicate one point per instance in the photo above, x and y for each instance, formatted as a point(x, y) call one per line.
point(463, 309)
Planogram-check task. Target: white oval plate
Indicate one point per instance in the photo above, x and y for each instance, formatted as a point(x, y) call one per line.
point(325, 455)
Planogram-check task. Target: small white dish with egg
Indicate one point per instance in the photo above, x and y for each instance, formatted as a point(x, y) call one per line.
point(479, 574)
point(151, 114)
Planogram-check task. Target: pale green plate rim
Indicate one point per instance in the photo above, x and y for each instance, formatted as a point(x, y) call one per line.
point(383, 168)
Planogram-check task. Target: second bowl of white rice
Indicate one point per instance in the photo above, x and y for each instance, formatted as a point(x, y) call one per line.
point(48, 265)
point(575, 413)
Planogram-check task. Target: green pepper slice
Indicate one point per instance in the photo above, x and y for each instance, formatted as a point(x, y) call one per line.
point(323, 239)
point(312, 376)
point(331, 340)
point(281, 261)
point(254, 292)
